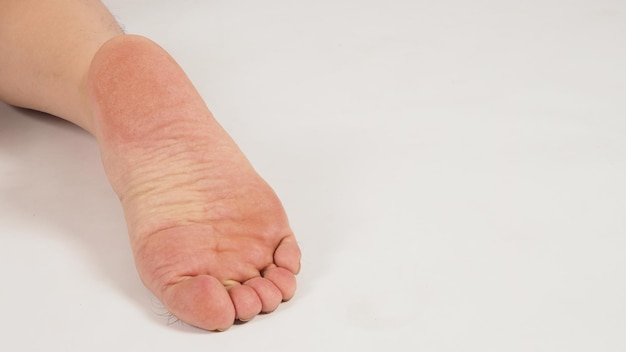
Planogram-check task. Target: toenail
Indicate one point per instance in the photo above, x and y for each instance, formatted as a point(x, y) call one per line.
point(228, 284)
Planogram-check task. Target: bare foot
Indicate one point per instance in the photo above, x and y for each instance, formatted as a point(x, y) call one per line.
point(210, 238)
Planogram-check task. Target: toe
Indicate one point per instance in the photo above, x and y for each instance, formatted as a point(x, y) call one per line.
point(246, 301)
point(283, 279)
point(267, 292)
point(288, 255)
point(201, 301)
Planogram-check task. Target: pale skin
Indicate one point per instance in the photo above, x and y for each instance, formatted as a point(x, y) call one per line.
point(210, 238)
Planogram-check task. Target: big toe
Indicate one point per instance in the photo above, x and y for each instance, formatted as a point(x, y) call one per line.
point(201, 301)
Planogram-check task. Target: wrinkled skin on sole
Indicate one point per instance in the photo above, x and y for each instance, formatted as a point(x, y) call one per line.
point(210, 238)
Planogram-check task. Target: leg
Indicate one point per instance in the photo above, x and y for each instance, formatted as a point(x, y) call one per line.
point(210, 238)
point(45, 51)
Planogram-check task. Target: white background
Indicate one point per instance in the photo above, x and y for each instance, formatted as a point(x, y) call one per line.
point(454, 171)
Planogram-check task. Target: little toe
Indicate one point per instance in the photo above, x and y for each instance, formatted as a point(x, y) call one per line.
point(201, 301)
point(288, 255)
point(267, 292)
point(246, 301)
